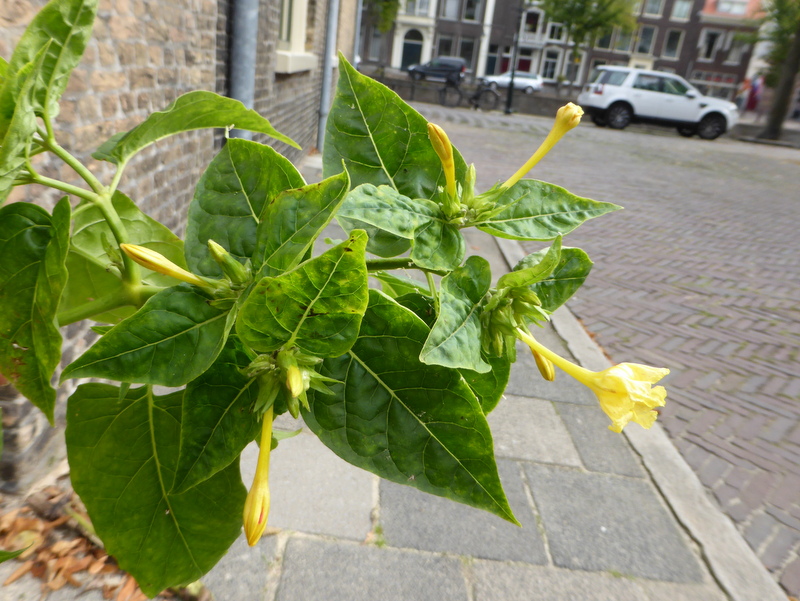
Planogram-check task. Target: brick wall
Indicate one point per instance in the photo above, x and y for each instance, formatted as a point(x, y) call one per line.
point(143, 54)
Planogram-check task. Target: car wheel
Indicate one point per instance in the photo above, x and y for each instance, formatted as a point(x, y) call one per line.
point(416, 76)
point(529, 90)
point(687, 131)
point(619, 116)
point(599, 121)
point(493, 85)
point(711, 127)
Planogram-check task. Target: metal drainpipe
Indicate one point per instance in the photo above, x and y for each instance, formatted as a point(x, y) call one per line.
point(242, 61)
point(327, 70)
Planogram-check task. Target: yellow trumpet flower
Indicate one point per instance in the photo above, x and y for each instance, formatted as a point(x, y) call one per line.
point(625, 391)
point(159, 263)
point(567, 117)
point(256, 506)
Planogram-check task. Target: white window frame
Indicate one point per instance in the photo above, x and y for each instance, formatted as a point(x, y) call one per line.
point(618, 34)
point(558, 66)
point(733, 46)
point(658, 14)
point(478, 12)
point(701, 44)
point(681, 33)
point(672, 16)
point(418, 10)
point(652, 40)
point(550, 27)
point(291, 55)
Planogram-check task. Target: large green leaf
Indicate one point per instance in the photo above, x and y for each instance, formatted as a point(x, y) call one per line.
point(230, 201)
point(570, 273)
point(435, 243)
point(381, 139)
point(405, 421)
point(171, 340)
point(17, 123)
point(489, 386)
point(533, 268)
point(33, 248)
point(293, 221)
point(64, 27)
point(534, 210)
point(218, 422)
point(455, 339)
point(317, 306)
point(195, 110)
point(123, 451)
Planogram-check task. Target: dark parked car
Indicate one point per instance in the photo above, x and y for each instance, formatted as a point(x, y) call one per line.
point(449, 68)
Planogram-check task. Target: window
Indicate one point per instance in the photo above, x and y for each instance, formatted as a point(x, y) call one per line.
point(672, 44)
point(682, 10)
point(647, 82)
point(732, 7)
point(674, 86)
point(709, 43)
point(293, 38)
point(450, 9)
point(604, 41)
point(491, 59)
point(466, 50)
point(555, 31)
point(445, 46)
point(613, 78)
point(532, 21)
point(417, 7)
point(472, 10)
point(550, 64)
point(737, 49)
point(623, 43)
point(653, 7)
point(644, 44)
point(375, 42)
point(525, 59)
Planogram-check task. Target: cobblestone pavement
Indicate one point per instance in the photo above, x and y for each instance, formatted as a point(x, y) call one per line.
point(701, 273)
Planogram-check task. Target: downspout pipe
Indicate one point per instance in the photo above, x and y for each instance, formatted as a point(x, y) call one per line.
point(327, 70)
point(242, 61)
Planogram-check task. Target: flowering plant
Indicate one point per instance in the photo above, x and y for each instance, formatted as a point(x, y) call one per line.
point(245, 322)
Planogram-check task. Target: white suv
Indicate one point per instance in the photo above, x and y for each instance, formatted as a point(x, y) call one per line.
point(618, 96)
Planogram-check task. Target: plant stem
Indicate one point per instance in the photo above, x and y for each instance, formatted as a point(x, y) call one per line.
point(434, 292)
point(131, 273)
point(35, 178)
point(135, 296)
point(50, 143)
point(399, 263)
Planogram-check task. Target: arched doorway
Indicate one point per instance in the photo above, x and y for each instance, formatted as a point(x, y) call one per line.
point(412, 48)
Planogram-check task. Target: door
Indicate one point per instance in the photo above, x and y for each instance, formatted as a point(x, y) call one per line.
point(412, 49)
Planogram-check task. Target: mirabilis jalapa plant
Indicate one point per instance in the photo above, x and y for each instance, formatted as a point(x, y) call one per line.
point(244, 323)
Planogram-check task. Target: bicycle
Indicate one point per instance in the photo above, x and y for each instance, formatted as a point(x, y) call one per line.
point(483, 98)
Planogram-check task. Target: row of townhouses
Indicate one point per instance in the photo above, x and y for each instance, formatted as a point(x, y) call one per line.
point(697, 39)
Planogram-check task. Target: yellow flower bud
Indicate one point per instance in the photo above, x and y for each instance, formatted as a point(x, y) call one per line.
point(256, 506)
point(441, 144)
point(545, 366)
point(160, 264)
point(625, 391)
point(567, 117)
point(294, 381)
point(233, 270)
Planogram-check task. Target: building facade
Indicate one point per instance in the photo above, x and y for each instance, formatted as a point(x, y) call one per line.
point(697, 39)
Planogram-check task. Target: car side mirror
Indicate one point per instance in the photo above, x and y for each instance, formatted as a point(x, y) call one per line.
point(691, 94)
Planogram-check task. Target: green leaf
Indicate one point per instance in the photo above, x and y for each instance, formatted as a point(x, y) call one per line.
point(171, 340)
point(230, 201)
point(533, 268)
point(33, 247)
point(64, 27)
point(534, 210)
point(405, 421)
point(195, 110)
point(123, 451)
point(395, 285)
point(17, 123)
point(490, 386)
point(421, 305)
point(317, 306)
point(435, 244)
point(455, 339)
point(92, 273)
point(381, 139)
point(218, 422)
point(293, 221)
point(6, 555)
point(569, 275)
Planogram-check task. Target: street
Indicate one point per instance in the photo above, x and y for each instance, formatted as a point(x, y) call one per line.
point(700, 273)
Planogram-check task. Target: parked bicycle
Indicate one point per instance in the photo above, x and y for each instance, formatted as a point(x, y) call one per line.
point(483, 98)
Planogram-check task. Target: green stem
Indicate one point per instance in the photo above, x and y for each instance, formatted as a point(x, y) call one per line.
point(35, 178)
point(131, 273)
point(50, 143)
point(135, 296)
point(117, 176)
point(399, 263)
point(434, 292)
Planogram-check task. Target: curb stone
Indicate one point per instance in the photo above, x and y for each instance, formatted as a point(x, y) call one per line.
point(730, 560)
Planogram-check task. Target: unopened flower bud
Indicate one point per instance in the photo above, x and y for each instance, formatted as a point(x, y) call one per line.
point(294, 381)
point(160, 264)
point(233, 270)
point(545, 366)
point(444, 149)
point(256, 506)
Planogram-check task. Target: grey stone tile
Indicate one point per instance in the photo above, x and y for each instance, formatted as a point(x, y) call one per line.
point(315, 570)
point(530, 429)
point(243, 572)
point(601, 449)
point(670, 591)
point(526, 380)
point(603, 522)
point(506, 582)
point(417, 520)
point(313, 490)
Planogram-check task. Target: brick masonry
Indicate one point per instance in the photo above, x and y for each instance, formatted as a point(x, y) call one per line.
point(143, 55)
